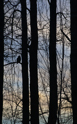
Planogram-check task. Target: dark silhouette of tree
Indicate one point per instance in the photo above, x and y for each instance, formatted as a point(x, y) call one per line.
point(74, 58)
point(1, 56)
point(12, 71)
point(53, 72)
point(33, 64)
point(25, 64)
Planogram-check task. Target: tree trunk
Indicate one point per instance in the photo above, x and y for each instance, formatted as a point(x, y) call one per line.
point(25, 64)
point(53, 71)
point(1, 56)
point(74, 58)
point(33, 65)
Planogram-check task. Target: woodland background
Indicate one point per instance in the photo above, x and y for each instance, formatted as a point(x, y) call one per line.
point(38, 61)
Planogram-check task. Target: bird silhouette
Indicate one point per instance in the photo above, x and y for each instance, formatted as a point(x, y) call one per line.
point(18, 59)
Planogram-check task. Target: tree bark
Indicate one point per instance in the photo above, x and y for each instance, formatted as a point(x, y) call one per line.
point(53, 71)
point(25, 64)
point(1, 56)
point(33, 64)
point(74, 58)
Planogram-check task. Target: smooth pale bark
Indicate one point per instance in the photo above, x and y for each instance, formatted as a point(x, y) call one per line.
point(33, 64)
point(1, 56)
point(74, 58)
point(53, 71)
point(25, 64)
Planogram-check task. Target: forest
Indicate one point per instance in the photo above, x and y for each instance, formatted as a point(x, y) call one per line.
point(38, 62)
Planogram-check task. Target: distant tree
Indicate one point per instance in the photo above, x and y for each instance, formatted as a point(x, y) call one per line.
point(53, 71)
point(74, 58)
point(1, 56)
point(33, 64)
point(25, 64)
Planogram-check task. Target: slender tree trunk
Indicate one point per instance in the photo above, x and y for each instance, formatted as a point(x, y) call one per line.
point(74, 58)
point(1, 56)
point(33, 65)
point(25, 64)
point(53, 71)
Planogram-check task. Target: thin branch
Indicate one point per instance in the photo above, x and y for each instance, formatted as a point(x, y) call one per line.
point(65, 35)
point(11, 63)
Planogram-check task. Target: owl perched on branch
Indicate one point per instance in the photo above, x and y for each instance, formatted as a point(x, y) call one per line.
point(18, 59)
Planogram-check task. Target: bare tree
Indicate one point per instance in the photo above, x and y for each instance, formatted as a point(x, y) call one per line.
point(25, 64)
point(53, 71)
point(33, 64)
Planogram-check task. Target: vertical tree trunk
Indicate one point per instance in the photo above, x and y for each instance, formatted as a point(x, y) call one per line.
point(74, 58)
point(1, 56)
point(25, 64)
point(53, 71)
point(33, 64)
